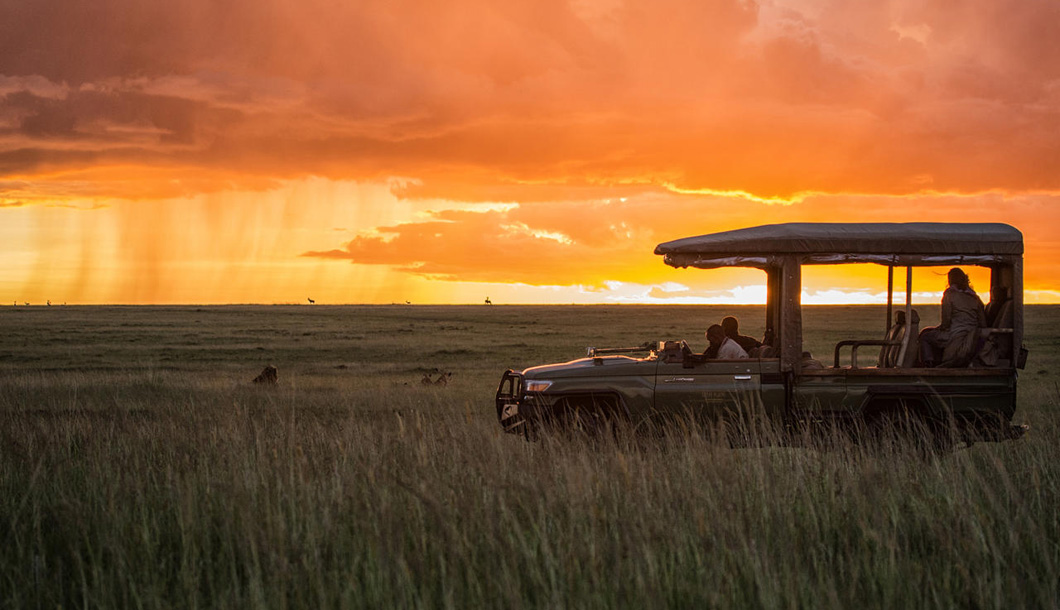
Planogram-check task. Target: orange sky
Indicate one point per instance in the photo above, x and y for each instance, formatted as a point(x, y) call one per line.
point(532, 151)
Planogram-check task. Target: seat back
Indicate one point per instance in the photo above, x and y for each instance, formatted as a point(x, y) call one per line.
point(912, 352)
point(896, 333)
point(1002, 317)
point(995, 349)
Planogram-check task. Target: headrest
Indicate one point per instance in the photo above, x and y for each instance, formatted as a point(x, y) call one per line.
point(900, 318)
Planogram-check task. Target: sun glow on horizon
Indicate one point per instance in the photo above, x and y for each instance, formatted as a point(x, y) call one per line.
point(263, 247)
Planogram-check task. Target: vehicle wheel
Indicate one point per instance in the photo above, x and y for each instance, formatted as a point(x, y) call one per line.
point(593, 417)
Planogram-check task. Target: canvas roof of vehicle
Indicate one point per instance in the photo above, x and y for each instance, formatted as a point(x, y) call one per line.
point(917, 243)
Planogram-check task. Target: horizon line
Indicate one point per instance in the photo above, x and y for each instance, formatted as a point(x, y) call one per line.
point(896, 305)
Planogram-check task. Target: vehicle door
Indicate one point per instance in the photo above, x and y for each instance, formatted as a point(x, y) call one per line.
point(691, 390)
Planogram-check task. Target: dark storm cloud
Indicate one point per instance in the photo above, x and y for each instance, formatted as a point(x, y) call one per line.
point(96, 114)
point(477, 99)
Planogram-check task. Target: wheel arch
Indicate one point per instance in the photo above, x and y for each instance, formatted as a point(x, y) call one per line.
point(607, 398)
point(924, 402)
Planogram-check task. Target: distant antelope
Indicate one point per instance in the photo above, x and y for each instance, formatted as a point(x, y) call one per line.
point(488, 301)
point(408, 302)
point(311, 301)
point(443, 380)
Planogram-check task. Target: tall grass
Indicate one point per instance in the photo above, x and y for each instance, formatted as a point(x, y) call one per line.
point(150, 487)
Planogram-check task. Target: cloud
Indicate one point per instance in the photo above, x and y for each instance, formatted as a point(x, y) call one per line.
point(490, 246)
point(124, 118)
point(592, 243)
point(517, 101)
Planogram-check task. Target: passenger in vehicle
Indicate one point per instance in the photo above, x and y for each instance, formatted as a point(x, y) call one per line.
point(766, 350)
point(954, 342)
point(809, 362)
point(731, 326)
point(722, 347)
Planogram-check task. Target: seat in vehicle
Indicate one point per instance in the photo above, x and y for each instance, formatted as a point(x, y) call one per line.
point(999, 316)
point(896, 333)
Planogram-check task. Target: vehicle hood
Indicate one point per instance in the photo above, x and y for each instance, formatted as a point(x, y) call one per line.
point(589, 367)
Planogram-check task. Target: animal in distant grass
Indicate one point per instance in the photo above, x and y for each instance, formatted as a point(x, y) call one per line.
point(269, 375)
point(408, 302)
point(49, 302)
point(311, 301)
point(488, 301)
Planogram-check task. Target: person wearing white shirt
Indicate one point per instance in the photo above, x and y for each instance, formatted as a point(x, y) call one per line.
point(724, 347)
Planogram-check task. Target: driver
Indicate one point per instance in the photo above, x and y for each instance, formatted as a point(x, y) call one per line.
point(731, 326)
point(722, 347)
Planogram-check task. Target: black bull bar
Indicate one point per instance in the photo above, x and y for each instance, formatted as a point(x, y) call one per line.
point(508, 401)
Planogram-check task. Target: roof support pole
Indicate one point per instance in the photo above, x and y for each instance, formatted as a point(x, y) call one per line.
point(791, 315)
point(890, 299)
point(907, 336)
point(1017, 309)
point(773, 275)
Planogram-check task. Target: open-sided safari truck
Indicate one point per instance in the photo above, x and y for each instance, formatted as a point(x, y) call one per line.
point(853, 390)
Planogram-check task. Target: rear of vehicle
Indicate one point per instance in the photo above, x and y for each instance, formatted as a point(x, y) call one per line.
point(974, 400)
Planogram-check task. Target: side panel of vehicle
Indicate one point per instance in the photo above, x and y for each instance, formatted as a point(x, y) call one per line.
point(819, 396)
point(707, 391)
point(966, 398)
point(966, 395)
point(775, 391)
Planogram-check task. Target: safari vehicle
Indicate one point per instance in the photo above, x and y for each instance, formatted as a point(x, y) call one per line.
point(636, 386)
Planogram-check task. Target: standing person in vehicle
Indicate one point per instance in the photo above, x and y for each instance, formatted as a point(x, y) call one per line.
point(724, 347)
point(731, 326)
point(954, 341)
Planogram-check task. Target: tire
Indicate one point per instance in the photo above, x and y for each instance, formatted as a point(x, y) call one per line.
point(595, 417)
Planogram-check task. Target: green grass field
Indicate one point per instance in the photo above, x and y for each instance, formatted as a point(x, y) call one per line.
point(140, 467)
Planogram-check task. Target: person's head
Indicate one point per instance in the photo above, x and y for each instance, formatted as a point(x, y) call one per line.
point(715, 335)
point(731, 326)
point(958, 278)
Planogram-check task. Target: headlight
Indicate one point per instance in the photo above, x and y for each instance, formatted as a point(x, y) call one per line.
point(536, 385)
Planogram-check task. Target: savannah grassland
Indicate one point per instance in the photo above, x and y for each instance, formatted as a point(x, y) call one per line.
point(139, 467)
